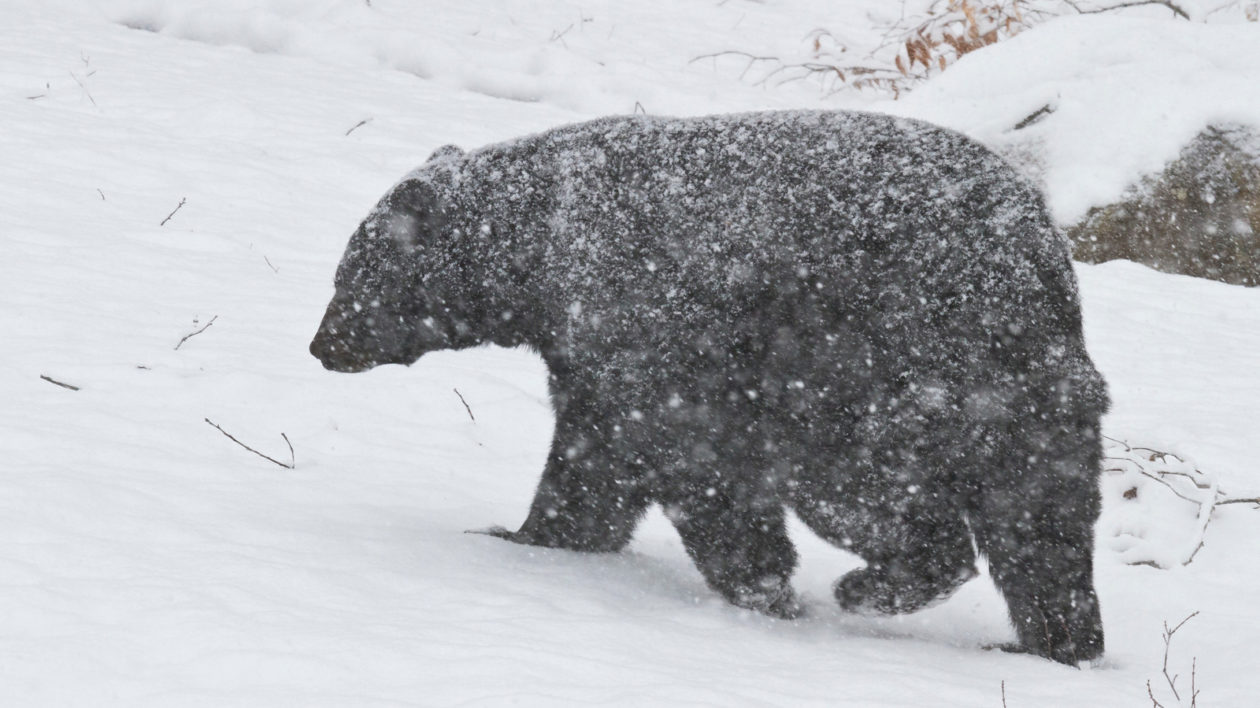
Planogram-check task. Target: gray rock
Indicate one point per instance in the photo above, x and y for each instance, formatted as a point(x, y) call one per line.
point(1200, 216)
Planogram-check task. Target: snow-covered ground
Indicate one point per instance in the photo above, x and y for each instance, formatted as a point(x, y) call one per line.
point(145, 559)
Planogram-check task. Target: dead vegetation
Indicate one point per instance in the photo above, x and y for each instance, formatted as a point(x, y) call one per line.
point(929, 37)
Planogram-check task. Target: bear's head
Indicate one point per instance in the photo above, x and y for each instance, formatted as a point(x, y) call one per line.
point(402, 285)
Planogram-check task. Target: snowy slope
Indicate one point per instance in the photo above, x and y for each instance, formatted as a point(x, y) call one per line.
point(145, 559)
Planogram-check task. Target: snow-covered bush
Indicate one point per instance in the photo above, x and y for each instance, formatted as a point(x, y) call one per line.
point(1157, 505)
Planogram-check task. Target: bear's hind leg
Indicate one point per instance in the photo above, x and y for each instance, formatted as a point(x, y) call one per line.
point(917, 555)
point(740, 544)
point(1037, 531)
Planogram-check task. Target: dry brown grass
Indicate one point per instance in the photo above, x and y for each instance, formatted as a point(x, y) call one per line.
point(960, 28)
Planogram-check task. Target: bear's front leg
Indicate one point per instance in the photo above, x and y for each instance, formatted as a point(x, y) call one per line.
point(740, 544)
point(593, 492)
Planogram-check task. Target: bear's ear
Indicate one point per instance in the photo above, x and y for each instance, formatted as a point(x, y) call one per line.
point(411, 214)
point(444, 152)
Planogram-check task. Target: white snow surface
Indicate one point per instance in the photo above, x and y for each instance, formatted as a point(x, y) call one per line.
point(147, 560)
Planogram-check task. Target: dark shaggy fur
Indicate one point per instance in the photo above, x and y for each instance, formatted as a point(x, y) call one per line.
point(869, 320)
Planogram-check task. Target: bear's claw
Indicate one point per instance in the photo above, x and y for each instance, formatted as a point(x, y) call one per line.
point(778, 601)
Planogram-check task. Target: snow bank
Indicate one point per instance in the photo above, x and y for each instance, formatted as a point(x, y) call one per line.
point(1126, 92)
point(1126, 95)
point(593, 57)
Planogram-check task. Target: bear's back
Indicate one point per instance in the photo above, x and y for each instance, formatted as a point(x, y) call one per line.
point(718, 204)
point(660, 234)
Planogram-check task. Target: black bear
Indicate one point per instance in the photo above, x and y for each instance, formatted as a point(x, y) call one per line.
point(869, 320)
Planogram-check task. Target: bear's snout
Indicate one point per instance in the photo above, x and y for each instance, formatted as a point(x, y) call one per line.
point(335, 355)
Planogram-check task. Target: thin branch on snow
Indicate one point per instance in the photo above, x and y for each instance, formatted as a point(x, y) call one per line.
point(1034, 117)
point(85, 88)
point(292, 455)
point(786, 73)
point(1220, 498)
point(1168, 634)
point(358, 125)
point(98, 191)
point(1207, 502)
point(1164, 482)
point(559, 35)
point(1194, 690)
point(62, 384)
point(752, 59)
point(177, 208)
point(1172, 679)
point(273, 268)
point(1118, 441)
point(292, 464)
point(190, 335)
point(466, 407)
point(1176, 10)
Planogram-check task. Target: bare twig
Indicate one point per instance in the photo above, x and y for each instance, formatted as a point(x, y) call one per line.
point(1213, 495)
point(1172, 679)
point(1168, 635)
point(292, 456)
point(98, 191)
point(177, 208)
point(1164, 482)
point(559, 35)
point(858, 76)
point(1195, 552)
point(752, 59)
point(1137, 3)
point(1194, 691)
point(461, 400)
point(51, 380)
point(273, 268)
point(82, 86)
point(194, 334)
point(1118, 442)
point(1034, 117)
point(358, 125)
point(1003, 693)
point(288, 466)
point(638, 108)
